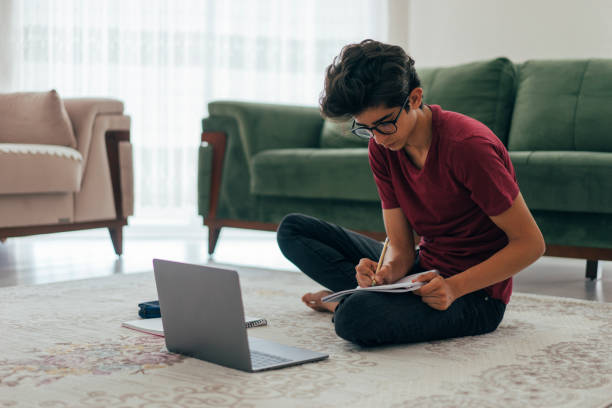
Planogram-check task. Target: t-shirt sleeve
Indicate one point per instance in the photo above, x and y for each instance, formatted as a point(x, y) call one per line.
point(485, 169)
point(382, 176)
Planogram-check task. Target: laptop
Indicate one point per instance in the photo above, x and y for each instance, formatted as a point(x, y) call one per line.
point(203, 317)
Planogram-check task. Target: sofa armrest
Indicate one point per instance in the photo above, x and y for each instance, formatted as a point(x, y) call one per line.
point(222, 145)
point(232, 134)
point(211, 155)
point(266, 126)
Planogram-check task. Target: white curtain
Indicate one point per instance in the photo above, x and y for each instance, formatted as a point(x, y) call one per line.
point(167, 59)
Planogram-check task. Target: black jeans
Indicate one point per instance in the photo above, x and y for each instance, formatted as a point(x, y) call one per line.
point(328, 254)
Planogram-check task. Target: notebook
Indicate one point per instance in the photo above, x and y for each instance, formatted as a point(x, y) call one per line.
point(154, 326)
point(403, 285)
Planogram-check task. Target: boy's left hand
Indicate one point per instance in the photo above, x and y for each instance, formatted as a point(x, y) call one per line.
point(437, 292)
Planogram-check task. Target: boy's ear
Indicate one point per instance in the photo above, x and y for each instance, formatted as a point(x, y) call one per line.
point(416, 98)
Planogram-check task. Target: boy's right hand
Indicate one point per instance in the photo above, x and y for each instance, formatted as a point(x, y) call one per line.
point(366, 273)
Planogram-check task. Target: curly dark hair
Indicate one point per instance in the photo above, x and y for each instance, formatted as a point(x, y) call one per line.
point(367, 75)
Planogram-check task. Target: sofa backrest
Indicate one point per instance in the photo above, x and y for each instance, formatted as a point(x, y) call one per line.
point(483, 90)
point(263, 126)
point(563, 105)
point(337, 134)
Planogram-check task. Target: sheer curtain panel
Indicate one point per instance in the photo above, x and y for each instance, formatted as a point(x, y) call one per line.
point(167, 59)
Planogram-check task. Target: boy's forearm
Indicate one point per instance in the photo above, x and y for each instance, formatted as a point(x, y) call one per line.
point(510, 260)
point(401, 261)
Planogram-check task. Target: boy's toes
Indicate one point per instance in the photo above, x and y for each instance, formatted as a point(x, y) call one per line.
point(313, 300)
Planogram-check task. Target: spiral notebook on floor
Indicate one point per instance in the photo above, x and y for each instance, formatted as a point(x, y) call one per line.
point(154, 326)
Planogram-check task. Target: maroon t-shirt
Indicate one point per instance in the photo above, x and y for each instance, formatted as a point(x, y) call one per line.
point(467, 177)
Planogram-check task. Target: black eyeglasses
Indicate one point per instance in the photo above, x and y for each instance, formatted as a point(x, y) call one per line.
point(385, 128)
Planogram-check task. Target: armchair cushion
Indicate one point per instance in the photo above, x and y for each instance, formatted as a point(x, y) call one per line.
point(30, 168)
point(337, 174)
point(35, 117)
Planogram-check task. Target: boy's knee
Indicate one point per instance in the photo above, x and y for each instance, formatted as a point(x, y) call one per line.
point(289, 225)
point(289, 228)
point(353, 320)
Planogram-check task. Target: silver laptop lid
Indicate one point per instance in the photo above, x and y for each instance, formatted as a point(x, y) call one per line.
point(187, 296)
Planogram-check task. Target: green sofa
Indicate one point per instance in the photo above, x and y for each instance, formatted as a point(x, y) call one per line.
point(259, 162)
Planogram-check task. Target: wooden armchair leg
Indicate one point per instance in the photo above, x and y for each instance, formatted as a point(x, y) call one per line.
point(116, 234)
point(213, 236)
point(593, 269)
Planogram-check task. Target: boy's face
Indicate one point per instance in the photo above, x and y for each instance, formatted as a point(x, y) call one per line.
point(405, 123)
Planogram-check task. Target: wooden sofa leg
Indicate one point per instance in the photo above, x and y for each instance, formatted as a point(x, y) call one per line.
point(213, 236)
point(116, 234)
point(593, 269)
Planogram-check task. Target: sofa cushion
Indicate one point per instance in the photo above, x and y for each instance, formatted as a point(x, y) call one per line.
point(35, 117)
point(338, 135)
point(565, 181)
point(30, 168)
point(563, 105)
point(483, 90)
point(342, 174)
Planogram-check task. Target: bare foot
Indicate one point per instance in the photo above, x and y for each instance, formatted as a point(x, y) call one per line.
point(313, 301)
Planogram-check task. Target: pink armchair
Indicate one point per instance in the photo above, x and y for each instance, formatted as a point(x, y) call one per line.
point(64, 165)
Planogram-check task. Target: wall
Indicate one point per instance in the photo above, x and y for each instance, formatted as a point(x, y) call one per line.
point(398, 12)
point(447, 32)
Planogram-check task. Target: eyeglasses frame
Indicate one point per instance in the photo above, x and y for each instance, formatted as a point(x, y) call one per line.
point(372, 129)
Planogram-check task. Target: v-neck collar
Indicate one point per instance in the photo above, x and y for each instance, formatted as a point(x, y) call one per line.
point(433, 148)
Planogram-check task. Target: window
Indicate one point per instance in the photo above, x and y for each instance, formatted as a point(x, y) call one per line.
point(167, 59)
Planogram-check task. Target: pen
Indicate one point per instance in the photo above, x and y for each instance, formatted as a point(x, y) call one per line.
point(380, 261)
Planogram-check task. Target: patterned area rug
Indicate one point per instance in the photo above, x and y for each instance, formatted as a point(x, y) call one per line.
point(61, 345)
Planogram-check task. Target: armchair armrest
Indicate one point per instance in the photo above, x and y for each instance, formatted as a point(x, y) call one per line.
point(103, 138)
point(83, 112)
point(119, 153)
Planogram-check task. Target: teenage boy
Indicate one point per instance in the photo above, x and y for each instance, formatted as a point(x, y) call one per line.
point(439, 173)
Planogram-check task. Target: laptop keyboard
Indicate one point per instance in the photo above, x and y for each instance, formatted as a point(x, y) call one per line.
point(260, 359)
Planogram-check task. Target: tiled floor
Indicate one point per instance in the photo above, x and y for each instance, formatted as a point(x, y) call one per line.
point(85, 254)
